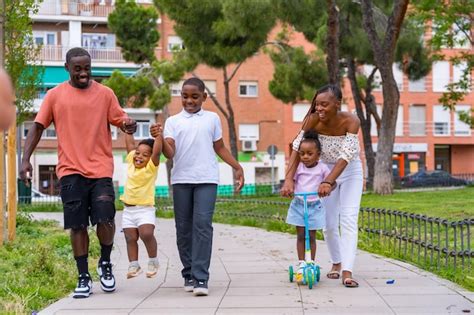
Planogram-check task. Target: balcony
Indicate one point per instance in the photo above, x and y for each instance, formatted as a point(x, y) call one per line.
point(58, 53)
point(79, 8)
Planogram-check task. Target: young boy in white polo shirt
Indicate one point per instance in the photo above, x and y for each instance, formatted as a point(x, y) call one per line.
point(192, 139)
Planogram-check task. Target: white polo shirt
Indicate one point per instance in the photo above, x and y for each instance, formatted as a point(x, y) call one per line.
point(194, 135)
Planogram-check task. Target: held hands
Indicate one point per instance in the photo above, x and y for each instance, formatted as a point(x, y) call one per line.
point(156, 130)
point(129, 126)
point(288, 188)
point(325, 189)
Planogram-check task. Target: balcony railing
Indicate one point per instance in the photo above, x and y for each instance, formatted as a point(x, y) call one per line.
point(92, 8)
point(58, 53)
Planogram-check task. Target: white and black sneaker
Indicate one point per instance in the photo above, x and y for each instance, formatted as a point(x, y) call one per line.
point(188, 284)
point(200, 288)
point(107, 279)
point(84, 287)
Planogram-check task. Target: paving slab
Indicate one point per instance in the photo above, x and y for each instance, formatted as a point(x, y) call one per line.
point(249, 276)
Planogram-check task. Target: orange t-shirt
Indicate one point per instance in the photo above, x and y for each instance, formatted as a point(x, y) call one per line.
point(82, 119)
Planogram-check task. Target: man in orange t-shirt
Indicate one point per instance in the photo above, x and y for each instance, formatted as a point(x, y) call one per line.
point(82, 111)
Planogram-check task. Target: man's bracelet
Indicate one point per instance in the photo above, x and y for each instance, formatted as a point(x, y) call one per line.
point(329, 183)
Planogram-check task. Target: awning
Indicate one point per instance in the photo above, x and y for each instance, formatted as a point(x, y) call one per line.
point(53, 76)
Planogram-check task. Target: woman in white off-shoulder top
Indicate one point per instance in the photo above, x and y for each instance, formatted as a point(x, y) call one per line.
point(340, 151)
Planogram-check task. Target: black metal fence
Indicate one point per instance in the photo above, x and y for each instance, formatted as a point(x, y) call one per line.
point(427, 241)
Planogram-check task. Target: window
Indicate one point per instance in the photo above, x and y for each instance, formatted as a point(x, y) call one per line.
point(460, 127)
point(299, 112)
point(436, 27)
point(441, 121)
point(98, 40)
point(398, 76)
point(211, 85)
point(48, 133)
point(143, 129)
point(417, 120)
point(175, 43)
point(373, 125)
point(113, 132)
point(461, 40)
point(417, 86)
point(399, 125)
point(248, 89)
point(176, 88)
point(440, 76)
point(249, 132)
point(458, 72)
point(44, 38)
point(377, 82)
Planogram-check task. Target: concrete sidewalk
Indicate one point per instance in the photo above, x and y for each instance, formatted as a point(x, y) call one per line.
point(249, 276)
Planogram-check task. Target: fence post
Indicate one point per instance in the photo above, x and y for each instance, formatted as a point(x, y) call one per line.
point(2, 187)
point(438, 225)
point(462, 243)
point(12, 182)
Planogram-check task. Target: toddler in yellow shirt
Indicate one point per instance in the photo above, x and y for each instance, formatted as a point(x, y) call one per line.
point(138, 219)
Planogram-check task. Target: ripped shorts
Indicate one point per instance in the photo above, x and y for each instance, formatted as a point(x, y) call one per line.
point(87, 200)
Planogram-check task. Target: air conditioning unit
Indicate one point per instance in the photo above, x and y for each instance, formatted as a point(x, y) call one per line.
point(249, 145)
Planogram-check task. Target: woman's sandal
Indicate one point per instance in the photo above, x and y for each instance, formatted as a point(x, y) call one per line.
point(350, 283)
point(333, 274)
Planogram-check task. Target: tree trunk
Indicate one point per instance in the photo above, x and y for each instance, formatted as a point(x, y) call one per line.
point(230, 118)
point(383, 179)
point(384, 50)
point(230, 121)
point(332, 43)
point(365, 122)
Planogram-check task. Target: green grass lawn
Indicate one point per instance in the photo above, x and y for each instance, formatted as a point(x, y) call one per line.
point(38, 268)
point(449, 204)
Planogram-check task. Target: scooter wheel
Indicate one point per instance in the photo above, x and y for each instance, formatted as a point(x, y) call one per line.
point(318, 274)
point(310, 276)
point(291, 273)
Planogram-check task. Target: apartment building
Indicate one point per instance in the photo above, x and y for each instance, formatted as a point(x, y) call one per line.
point(58, 26)
point(428, 137)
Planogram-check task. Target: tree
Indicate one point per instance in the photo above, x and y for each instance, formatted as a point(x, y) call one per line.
point(383, 49)
point(319, 23)
point(410, 54)
point(316, 22)
point(451, 25)
point(296, 73)
point(21, 53)
point(221, 34)
point(135, 28)
point(17, 53)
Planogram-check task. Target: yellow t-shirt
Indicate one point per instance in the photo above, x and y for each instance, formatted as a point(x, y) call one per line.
point(140, 184)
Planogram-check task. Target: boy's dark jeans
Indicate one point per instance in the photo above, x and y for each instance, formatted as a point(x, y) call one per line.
point(193, 209)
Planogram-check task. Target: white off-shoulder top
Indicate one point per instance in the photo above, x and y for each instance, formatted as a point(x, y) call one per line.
point(334, 148)
point(339, 147)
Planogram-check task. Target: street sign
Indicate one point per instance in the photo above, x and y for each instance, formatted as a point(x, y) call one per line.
point(272, 150)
